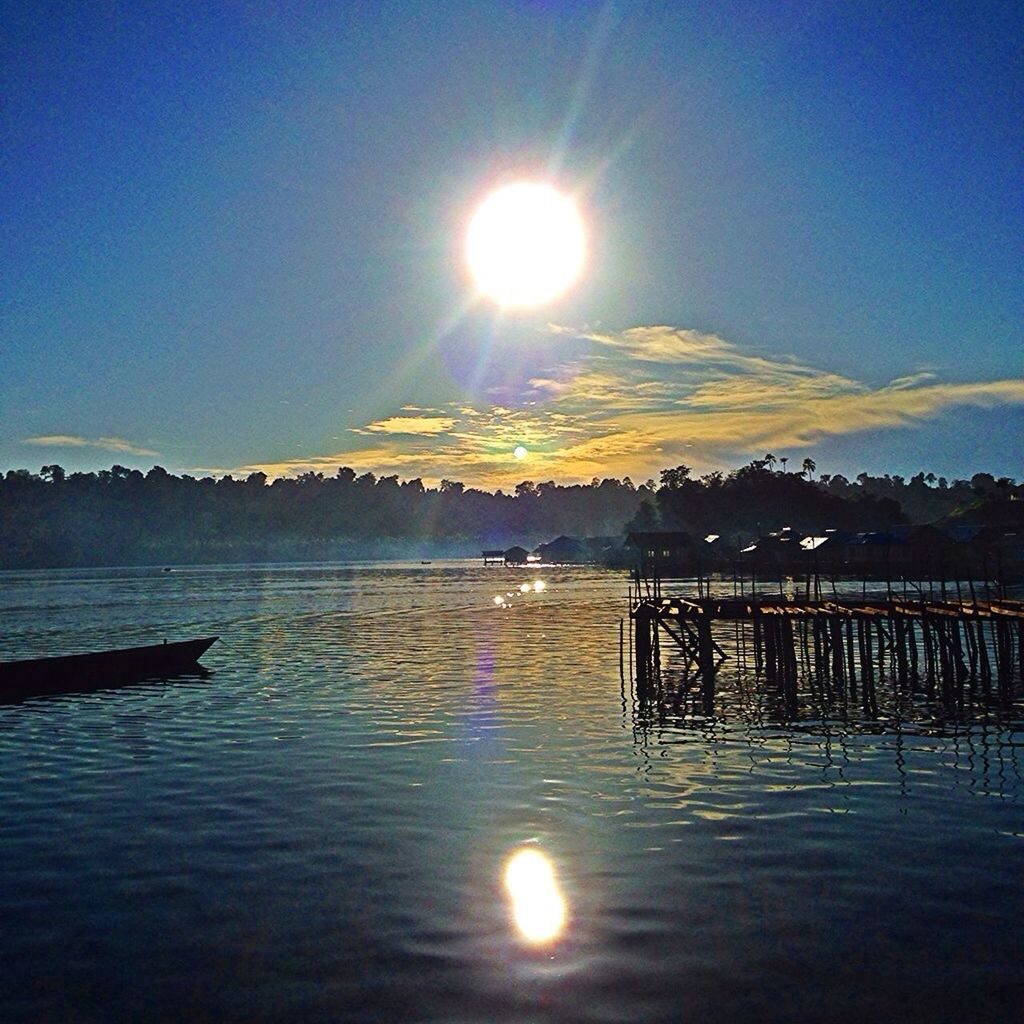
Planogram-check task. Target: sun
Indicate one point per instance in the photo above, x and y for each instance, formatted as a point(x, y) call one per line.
point(520, 452)
point(526, 244)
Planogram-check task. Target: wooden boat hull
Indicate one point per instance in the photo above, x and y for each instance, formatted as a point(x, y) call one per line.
point(77, 672)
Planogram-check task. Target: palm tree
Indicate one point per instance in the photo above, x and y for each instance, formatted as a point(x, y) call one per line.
point(770, 460)
point(784, 460)
point(809, 468)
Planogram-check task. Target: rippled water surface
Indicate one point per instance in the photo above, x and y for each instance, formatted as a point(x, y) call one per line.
point(319, 829)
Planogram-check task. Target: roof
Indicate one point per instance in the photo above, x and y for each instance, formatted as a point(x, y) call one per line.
point(963, 534)
point(562, 542)
point(813, 543)
point(562, 548)
point(660, 539)
point(873, 538)
point(776, 540)
point(904, 533)
point(966, 534)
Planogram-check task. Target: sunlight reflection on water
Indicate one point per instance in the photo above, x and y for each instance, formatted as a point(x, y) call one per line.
point(538, 907)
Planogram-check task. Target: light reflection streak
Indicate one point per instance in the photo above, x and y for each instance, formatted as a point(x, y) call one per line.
point(538, 908)
point(536, 587)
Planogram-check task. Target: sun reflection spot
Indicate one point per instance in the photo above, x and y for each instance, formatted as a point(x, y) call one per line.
point(498, 599)
point(538, 586)
point(524, 588)
point(538, 908)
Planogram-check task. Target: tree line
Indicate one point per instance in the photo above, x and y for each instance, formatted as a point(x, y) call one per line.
point(123, 516)
point(759, 498)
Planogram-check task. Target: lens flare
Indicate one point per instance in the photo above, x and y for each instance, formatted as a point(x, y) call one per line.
point(538, 908)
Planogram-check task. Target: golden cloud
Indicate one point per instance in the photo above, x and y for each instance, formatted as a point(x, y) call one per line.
point(640, 400)
point(411, 425)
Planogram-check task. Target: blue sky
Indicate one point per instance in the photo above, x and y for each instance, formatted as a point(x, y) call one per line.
point(233, 237)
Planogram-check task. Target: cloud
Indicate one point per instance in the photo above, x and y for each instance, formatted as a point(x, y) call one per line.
point(679, 346)
point(803, 421)
point(106, 444)
point(412, 425)
point(637, 401)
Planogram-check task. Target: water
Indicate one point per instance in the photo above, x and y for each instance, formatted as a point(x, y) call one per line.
point(318, 830)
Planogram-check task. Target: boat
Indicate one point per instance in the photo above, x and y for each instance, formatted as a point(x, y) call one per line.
point(97, 670)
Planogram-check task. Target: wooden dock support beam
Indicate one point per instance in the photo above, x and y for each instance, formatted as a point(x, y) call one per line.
point(850, 647)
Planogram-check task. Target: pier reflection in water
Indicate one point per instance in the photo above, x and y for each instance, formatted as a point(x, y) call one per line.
point(322, 830)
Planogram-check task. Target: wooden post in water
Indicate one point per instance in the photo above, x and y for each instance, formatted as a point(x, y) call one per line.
point(835, 627)
point(706, 660)
point(983, 660)
point(930, 669)
point(758, 641)
point(914, 649)
point(622, 643)
point(851, 666)
point(642, 647)
point(899, 630)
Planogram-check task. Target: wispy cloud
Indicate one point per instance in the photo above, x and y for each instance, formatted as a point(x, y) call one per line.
point(409, 425)
point(106, 444)
point(636, 401)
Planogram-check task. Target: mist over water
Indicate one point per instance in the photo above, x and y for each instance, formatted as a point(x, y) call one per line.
point(322, 828)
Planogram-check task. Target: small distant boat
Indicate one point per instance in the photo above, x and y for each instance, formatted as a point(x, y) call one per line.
point(99, 669)
point(425, 561)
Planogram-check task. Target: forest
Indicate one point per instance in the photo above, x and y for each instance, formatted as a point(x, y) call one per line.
point(759, 498)
point(123, 516)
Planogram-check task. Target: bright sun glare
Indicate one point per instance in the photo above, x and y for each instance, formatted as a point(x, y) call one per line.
point(538, 908)
point(526, 244)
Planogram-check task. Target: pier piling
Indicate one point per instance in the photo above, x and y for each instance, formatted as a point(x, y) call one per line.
point(850, 646)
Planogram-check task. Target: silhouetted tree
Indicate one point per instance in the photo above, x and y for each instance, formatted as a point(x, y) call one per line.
point(121, 516)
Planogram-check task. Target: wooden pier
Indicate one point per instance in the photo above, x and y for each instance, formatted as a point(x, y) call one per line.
point(954, 651)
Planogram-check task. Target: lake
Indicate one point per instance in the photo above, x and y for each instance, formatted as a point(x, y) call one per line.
point(319, 829)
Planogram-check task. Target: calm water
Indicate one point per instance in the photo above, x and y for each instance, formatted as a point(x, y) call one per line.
point(318, 830)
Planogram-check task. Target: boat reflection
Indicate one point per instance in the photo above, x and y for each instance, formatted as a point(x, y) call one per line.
point(538, 908)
